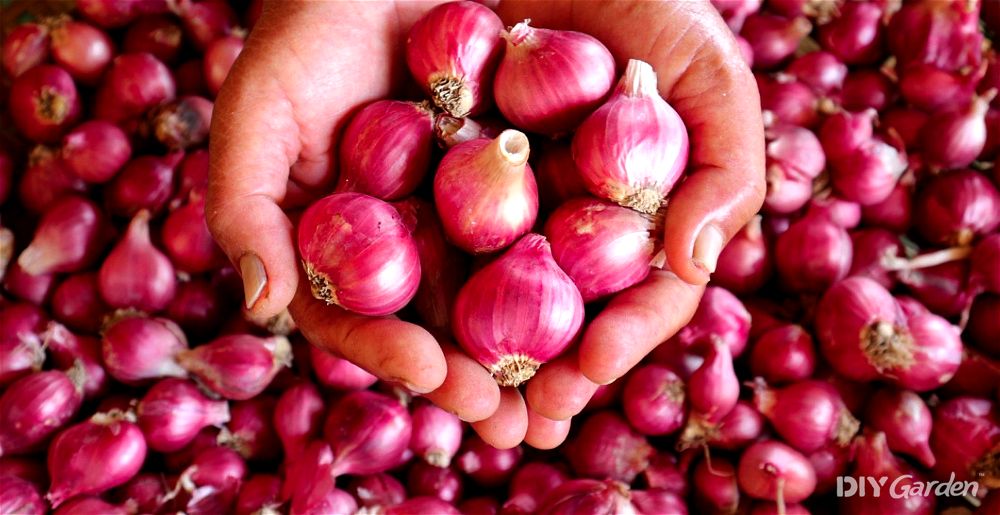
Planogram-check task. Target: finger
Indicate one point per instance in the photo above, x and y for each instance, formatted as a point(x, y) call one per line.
point(506, 428)
point(545, 433)
point(634, 322)
point(725, 183)
point(468, 391)
point(252, 146)
point(387, 347)
point(559, 390)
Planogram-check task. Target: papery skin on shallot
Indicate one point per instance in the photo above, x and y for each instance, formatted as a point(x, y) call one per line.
point(518, 312)
point(452, 51)
point(633, 149)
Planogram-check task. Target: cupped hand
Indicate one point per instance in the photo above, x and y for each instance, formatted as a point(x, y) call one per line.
point(308, 65)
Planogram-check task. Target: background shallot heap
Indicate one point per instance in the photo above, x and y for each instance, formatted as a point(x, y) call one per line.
point(851, 328)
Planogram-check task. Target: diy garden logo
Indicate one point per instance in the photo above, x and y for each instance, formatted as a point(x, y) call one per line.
point(903, 487)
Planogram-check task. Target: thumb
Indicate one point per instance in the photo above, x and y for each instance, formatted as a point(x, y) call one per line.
point(726, 185)
point(252, 149)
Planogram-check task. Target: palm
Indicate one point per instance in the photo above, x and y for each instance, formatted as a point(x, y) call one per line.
point(308, 65)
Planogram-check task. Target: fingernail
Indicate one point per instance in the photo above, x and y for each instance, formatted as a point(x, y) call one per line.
point(410, 386)
point(707, 248)
point(254, 278)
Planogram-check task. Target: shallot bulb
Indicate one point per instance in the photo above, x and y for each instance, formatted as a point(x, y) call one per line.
point(786, 193)
point(485, 192)
point(874, 251)
point(136, 349)
point(715, 486)
point(773, 471)
point(607, 497)
point(653, 400)
point(873, 458)
point(798, 150)
point(869, 173)
point(603, 247)
point(788, 101)
point(68, 350)
point(46, 179)
point(954, 208)
point(237, 366)
point(954, 138)
point(550, 80)
point(783, 354)
point(867, 89)
point(358, 254)
point(134, 84)
point(159, 35)
point(820, 70)
point(69, 237)
point(905, 420)
point(443, 268)
point(367, 432)
point(932, 89)
point(338, 373)
point(436, 434)
point(24, 47)
point(425, 479)
point(82, 49)
point(844, 132)
point(90, 457)
point(452, 51)
point(531, 484)
point(722, 317)
point(219, 58)
point(20, 497)
point(607, 447)
point(136, 274)
point(298, 417)
point(385, 150)
point(713, 388)
point(146, 182)
point(938, 33)
point(96, 150)
point(638, 162)
point(181, 123)
point(518, 312)
point(964, 438)
point(187, 240)
point(812, 254)
point(774, 38)
point(250, 430)
point(486, 464)
point(745, 263)
point(862, 331)
point(856, 35)
point(936, 350)
point(174, 411)
point(44, 103)
point(558, 178)
point(35, 407)
point(808, 414)
point(984, 261)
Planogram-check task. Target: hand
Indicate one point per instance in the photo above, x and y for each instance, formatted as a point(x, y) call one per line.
point(308, 65)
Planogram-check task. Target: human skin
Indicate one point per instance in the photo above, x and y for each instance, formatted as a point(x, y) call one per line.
point(307, 66)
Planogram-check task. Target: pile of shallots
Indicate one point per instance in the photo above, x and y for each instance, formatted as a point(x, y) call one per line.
point(852, 328)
